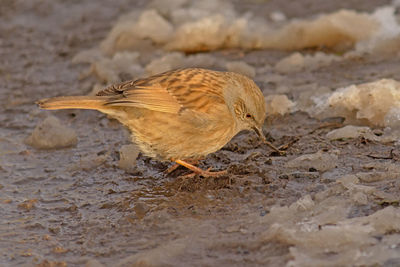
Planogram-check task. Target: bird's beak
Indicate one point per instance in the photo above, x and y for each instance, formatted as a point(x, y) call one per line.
point(260, 134)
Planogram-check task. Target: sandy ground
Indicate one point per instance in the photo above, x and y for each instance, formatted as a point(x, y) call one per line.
point(74, 206)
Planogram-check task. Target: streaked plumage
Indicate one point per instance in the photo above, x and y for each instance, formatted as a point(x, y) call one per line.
point(180, 114)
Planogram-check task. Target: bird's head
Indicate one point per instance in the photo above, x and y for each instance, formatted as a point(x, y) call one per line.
point(248, 105)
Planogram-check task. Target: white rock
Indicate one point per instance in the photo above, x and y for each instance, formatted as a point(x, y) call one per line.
point(376, 103)
point(89, 162)
point(168, 62)
point(351, 131)
point(109, 70)
point(133, 29)
point(277, 16)
point(321, 161)
point(278, 104)
point(127, 157)
point(152, 25)
point(51, 134)
point(201, 61)
point(294, 62)
point(304, 203)
point(242, 68)
point(392, 117)
point(297, 62)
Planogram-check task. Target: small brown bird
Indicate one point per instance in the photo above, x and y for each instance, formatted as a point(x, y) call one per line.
point(179, 115)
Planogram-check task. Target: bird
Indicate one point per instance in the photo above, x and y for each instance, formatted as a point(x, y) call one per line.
point(179, 115)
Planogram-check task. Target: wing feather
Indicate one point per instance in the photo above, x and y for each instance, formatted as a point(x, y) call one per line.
point(170, 92)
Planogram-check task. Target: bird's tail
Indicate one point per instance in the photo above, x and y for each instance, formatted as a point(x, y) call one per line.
point(72, 102)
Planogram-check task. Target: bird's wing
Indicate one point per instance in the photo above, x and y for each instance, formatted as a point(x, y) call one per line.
point(173, 91)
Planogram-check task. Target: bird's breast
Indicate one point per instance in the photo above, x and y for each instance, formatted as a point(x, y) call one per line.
point(180, 136)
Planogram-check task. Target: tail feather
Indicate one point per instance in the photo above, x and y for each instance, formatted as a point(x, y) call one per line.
point(72, 102)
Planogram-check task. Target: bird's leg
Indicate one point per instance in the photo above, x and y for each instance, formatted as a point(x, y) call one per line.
point(197, 170)
point(172, 168)
point(176, 165)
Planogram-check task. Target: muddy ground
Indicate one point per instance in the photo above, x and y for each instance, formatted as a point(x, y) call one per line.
point(74, 206)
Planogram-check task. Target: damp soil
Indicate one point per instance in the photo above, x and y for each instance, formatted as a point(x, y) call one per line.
point(74, 206)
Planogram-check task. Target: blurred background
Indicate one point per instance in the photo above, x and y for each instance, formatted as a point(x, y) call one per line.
point(75, 192)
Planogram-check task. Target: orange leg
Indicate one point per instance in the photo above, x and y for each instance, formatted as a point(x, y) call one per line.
point(172, 168)
point(197, 170)
point(176, 165)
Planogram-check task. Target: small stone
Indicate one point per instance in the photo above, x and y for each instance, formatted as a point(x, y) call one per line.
point(51, 134)
point(351, 132)
point(303, 204)
point(89, 162)
point(293, 63)
point(278, 104)
point(320, 161)
point(127, 157)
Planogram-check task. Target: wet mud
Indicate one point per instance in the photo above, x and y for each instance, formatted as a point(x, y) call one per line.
point(75, 207)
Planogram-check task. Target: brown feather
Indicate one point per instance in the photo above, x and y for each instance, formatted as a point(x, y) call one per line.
point(178, 114)
point(69, 102)
point(169, 92)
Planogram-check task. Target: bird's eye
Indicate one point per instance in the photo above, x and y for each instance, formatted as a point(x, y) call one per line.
point(248, 115)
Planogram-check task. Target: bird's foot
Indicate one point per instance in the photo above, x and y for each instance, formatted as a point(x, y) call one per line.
point(176, 165)
point(197, 171)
